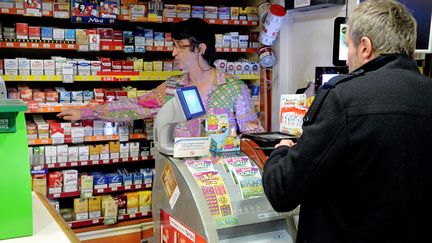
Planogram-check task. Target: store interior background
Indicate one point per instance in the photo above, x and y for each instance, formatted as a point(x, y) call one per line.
point(305, 42)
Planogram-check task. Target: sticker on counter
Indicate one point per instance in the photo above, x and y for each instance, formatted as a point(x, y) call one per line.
point(169, 184)
point(191, 147)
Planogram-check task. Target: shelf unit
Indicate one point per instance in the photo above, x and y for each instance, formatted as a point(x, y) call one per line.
point(101, 79)
point(109, 77)
point(74, 164)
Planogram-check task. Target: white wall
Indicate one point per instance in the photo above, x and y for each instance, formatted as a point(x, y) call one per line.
point(305, 41)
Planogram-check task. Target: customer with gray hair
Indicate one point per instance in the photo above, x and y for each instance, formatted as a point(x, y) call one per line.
point(361, 170)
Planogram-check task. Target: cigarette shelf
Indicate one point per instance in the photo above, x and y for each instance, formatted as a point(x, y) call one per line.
point(91, 162)
point(96, 221)
point(48, 141)
point(210, 21)
point(244, 50)
point(48, 78)
point(73, 47)
point(218, 21)
point(100, 191)
point(101, 138)
point(52, 109)
point(108, 77)
point(38, 45)
point(12, 11)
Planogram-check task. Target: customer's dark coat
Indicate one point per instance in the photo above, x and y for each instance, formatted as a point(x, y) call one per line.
point(362, 170)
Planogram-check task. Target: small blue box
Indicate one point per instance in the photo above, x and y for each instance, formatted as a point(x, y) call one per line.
point(137, 178)
point(127, 179)
point(99, 181)
point(47, 33)
point(70, 35)
point(114, 180)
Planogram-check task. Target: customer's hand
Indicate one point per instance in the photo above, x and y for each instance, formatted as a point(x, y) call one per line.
point(285, 142)
point(70, 114)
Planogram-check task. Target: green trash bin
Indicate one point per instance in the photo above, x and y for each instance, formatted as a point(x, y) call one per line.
point(16, 218)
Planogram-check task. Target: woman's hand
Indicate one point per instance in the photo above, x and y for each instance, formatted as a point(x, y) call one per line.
point(70, 114)
point(285, 142)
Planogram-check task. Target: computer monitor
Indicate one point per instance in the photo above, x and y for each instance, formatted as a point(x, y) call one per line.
point(324, 74)
point(340, 48)
point(190, 102)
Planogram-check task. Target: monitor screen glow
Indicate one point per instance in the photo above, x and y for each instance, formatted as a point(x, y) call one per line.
point(191, 102)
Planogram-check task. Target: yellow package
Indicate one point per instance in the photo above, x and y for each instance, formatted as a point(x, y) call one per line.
point(145, 200)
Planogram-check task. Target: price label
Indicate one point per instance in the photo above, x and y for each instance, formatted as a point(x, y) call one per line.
point(70, 46)
point(159, 48)
point(105, 161)
point(132, 216)
point(234, 50)
point(24, 45)
point(121, 217)
point(170, 20)
point(115, 160)
point(113, 189)
point(56, 195)
point(74, 164)
point(38, 168)
point(236, 22)
point(84, 163)
point(86, 193)
point(118, 48)
point(244, 22)
point(45, 45)
point(108, 221)
point(134, 158)
point(95, 221)
point(50, 109)
point(225, 21)
point(243, 49)
point(138, 186)
point(35, 45)
point(127, 187)
point(9, 44)
point(58, 46)
point(5, 10)
point(100, 190)
point(212, 21)
point(51, 165)
point(105, 47)
point(68, 78)
point(62, 164)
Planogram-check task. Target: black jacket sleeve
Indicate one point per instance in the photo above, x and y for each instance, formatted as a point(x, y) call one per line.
point(293, 175)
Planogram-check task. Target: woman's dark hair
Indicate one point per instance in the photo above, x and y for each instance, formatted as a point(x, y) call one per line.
point(197, 31)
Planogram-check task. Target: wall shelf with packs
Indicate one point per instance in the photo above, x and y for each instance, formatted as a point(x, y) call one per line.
point(103, 47)
point(100, 220)
point(87, 139)
point(92, 162)
point(100, 191)
point(118, 70)
point(107, 77)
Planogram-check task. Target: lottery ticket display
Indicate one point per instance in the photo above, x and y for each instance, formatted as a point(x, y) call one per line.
point(212, 187)
point(246, 176)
